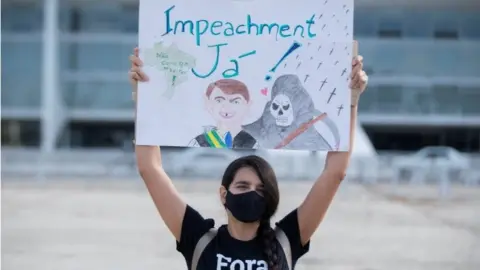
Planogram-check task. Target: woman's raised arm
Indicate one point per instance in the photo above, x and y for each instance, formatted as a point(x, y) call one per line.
point(149, 161)
point(315, 205)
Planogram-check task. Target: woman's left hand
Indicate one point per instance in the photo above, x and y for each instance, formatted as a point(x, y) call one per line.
point(358, 79)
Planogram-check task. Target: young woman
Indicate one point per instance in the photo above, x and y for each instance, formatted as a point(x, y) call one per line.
point(249, 193)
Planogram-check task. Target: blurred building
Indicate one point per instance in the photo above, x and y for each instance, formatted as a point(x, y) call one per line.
point(64, 72)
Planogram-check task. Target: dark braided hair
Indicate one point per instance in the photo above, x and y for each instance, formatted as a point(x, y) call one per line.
point(270, 244)
point(272, 197)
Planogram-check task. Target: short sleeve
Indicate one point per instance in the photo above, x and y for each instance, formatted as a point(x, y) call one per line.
point(194, 226)
point(289, 225)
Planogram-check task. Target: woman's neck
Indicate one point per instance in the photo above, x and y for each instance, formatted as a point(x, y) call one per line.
point(243, 231)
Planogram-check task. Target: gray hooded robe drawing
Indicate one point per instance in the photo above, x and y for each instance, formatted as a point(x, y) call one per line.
point(290, 107)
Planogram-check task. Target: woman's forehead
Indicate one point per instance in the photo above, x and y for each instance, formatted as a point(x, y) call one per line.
point(246, 175)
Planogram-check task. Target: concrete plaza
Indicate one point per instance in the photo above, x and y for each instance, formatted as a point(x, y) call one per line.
point(109, 224)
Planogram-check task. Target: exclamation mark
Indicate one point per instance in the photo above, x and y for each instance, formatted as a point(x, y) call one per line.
point(292, 48)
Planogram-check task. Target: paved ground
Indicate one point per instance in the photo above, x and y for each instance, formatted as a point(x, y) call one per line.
point(113, 225)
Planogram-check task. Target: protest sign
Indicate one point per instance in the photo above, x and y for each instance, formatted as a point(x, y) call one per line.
point(245, 74)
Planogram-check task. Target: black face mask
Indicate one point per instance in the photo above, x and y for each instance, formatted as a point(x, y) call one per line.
point(246, 207)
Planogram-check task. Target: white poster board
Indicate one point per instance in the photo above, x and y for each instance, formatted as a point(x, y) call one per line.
point(245, 73)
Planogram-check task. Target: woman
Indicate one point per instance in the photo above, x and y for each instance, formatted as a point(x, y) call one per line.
point(250, 195)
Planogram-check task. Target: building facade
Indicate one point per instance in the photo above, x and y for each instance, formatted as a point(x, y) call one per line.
point(64, 65)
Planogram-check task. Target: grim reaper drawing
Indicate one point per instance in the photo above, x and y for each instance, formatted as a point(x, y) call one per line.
point(288, 119)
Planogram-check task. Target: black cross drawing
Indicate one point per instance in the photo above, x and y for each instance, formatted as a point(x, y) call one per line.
point(306, 78)
point(323, 27)
point(321, 15)
point(299, 65)
point(336, 63)
point(319, 47)
point(319, 65)
point(344, 71)
point(340, 108)
point(323, 83)
point(331, 51)
point(346, 11)
point(332, 94)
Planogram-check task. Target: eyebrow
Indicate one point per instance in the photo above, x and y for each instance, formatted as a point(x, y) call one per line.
point(233, 99)
point(222, 98)
point(242, 182)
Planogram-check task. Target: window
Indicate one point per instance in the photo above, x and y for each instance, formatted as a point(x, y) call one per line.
point(130, 18)
point(390, 27)
point(389, 98)
point(97, 134)
point(409, 138)
point(365, 23)
point(21, 133)
point(446, 34)
point(470, 25)
point(446, 25)
point(106, 17)
point(417, 24)
point(22, 17)
point(21, 73)
point(469, 100)
point(447, 99)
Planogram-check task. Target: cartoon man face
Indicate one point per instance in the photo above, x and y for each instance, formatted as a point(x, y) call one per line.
point(228, 102)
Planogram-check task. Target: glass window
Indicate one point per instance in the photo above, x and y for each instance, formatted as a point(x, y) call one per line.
point(446, 99)
point(21, 74)
point(105, 17)
point(417, 23)
point(97, 134)
point(21, 133)
point(390, 27)
point(130, 18)
point(470, 25)
point(389, 98)
point(470, 98)
point(417, 100)
point(22, 17)
point(368, 102)
point(365, 23)
point(98, 17)
point(98, 95)
point(446, 25)
point(93, 57)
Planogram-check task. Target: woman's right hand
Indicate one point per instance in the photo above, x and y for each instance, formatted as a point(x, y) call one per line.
point(136, 74)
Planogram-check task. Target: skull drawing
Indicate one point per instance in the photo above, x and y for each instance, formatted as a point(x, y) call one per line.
point(281, 110)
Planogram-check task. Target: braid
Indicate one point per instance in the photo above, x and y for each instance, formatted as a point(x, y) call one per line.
point(270, 245)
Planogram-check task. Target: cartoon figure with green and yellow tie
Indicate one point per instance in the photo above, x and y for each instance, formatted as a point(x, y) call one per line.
point(228, 102)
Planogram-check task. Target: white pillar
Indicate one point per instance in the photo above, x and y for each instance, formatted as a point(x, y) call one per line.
point(50, 112)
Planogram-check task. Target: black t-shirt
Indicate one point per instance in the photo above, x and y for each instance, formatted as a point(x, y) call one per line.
point(226, 252)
